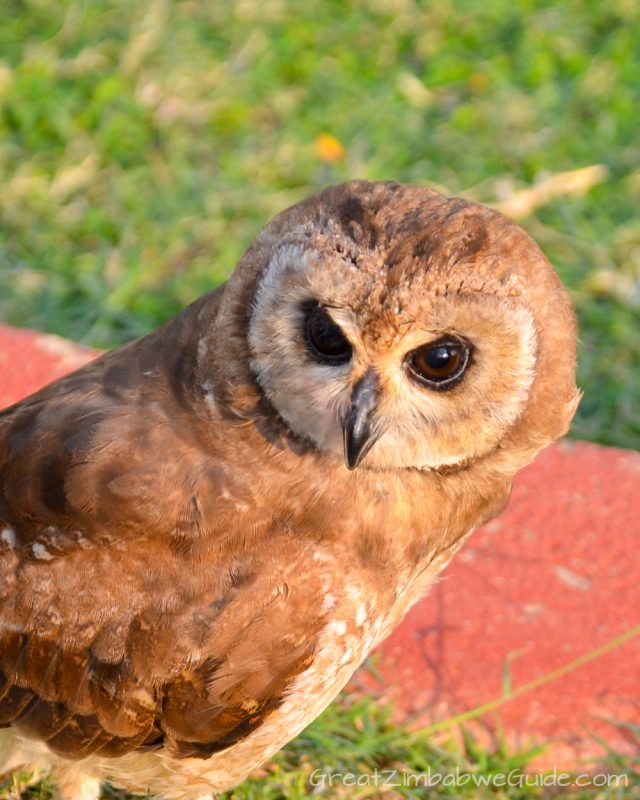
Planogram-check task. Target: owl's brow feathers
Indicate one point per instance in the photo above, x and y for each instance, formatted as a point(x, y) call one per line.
point(449, 234)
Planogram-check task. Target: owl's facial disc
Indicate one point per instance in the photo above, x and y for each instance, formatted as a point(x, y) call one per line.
point(433, 381)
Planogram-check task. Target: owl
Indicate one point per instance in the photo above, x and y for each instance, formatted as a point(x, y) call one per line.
point(204, 532)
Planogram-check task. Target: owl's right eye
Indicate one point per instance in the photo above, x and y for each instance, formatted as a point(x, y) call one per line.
point(326, 342)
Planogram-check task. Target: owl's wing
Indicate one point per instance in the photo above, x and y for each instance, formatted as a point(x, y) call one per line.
point(137, 606)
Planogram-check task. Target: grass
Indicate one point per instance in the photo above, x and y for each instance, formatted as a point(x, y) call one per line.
point(142, 146)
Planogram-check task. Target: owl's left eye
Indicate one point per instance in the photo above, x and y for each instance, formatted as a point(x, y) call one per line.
point(325, 340)
point(440, 364)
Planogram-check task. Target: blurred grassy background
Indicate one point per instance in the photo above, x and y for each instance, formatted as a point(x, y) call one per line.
point(142, 145)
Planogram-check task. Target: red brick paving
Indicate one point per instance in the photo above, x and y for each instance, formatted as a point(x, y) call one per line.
point(557, 575)
point(29, 360)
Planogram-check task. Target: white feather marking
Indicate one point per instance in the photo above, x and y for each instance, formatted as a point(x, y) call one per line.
point(329, 602)
point(202, 348)
point(337, 627)
point(8, 536)
point(40, 552)
point(209, 395)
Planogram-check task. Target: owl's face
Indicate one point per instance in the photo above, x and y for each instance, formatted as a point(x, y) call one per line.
point(418, 350)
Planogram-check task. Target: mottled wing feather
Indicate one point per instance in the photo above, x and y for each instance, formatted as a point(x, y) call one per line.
point(131, 612)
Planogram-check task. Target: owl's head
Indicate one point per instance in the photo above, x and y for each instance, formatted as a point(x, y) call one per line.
point(395, 328)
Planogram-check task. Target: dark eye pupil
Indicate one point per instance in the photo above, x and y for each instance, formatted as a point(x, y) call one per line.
point(439, 357)
point(439, 365)
point(326, 341)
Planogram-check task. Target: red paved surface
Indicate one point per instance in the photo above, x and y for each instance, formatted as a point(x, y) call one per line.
point(557, 575)
point(29, 360)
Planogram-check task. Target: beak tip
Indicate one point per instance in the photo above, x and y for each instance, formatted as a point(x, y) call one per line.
point(349, 464)
point(356, 424)
point(356, 446)
point(351, 453)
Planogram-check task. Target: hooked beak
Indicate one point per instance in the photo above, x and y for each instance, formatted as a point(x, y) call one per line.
point(356, 424)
